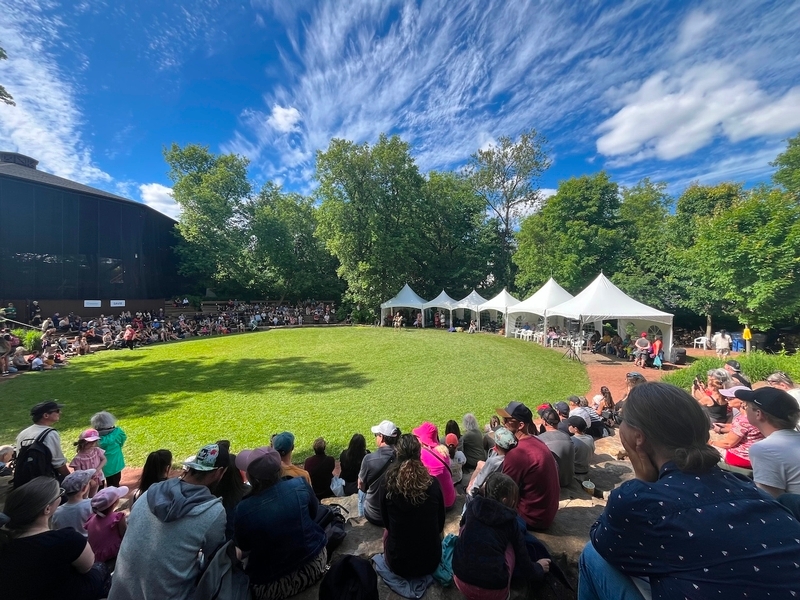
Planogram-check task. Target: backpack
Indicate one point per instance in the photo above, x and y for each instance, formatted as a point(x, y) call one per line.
point(331, 518)
point(349, 578)
point(224, 578)
point(33, 460)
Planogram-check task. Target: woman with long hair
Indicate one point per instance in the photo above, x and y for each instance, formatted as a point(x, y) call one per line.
point(472, 442)
point(37, 562)
point(350, 462)
point(661, 530)
point(412, 509)
point(156, 468)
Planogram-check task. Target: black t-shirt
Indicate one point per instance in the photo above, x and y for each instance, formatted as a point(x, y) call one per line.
point(39, 567)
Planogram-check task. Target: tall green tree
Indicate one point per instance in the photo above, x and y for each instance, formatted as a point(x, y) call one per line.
point(5, 97)
point(371, 216)
point(749, 255)
point(643, 270)
point(573, 237)
point(788, 167)
point(507, 177)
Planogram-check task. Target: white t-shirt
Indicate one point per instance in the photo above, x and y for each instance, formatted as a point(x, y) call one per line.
point(584, 412)
point(722, 342)
point(52, 441)
point(776, 460)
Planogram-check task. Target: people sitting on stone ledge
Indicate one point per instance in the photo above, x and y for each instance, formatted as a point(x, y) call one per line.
point(320, 468)
point(350, 463)
point(373, 470)
point(284, 444)
point(436, 459)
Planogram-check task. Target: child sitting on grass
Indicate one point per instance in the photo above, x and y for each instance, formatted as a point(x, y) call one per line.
point(90, 457)
point(105, 526)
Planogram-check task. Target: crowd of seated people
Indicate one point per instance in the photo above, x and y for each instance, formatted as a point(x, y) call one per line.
point(264, 510)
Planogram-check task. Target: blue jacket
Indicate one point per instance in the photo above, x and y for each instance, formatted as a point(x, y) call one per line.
point(277, 526)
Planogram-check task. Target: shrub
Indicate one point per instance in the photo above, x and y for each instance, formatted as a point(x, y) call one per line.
point(31, 339)
point(757, 366)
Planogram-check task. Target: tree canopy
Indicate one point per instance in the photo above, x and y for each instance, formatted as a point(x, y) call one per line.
point(5, 97)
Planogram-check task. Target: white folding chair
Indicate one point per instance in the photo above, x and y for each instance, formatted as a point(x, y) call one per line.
point(701, 342)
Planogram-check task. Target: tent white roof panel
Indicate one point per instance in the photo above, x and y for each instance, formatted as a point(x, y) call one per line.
point(406, 298)
point(549, 295)
point(502, 302)
point(602, 300)
point(471, 302)
point(442, 301)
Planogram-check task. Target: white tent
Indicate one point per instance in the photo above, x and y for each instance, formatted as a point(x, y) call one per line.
point(603, 301)
point(406, 298)
point(501, 303)
point(471, 302)
point(549, 295)
point(443, 301)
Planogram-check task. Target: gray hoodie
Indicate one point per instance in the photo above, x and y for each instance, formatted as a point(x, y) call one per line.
point(169, 526)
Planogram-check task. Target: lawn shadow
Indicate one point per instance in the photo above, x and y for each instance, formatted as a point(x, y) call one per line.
point(133, 389)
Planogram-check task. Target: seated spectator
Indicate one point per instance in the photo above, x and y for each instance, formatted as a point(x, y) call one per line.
point(350, 463)
point(175, 524)
point(679, 493)
point(320, 468)
point(776, 458)
point(373, 470)
point(594, 422)
point(562, 408)
point(734, 369)
point(6, 454)
point(715, 404)
point(275, 524)
point(532, 466)
point(284, 444)
point(583, 442)
point(436, 459)
point(472, 442)
point(457, 458)
point(18, 360)
point(504, 442)
point(37, 562)
point(560, 445)
point(740, 435)
point(782, 381)
point(491, 545)
point(105, 526)
point(231, 487)
point(413, 512)
point(78, 507)
point(156, 469)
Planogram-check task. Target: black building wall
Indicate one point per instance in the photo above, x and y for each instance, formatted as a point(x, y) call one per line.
point(62, 244)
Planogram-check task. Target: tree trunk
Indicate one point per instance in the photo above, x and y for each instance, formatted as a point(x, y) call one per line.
point(708, 328)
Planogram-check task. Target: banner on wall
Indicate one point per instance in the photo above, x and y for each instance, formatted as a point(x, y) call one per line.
point(92, 304)
point(117, 303)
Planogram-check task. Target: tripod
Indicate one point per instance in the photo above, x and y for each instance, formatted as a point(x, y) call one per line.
point(571, 353)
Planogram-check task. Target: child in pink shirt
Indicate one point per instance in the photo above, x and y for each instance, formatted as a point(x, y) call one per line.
point(90, 456)
point(105, 526)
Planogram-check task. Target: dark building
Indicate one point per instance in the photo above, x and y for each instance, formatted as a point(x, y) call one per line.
point(72, 247)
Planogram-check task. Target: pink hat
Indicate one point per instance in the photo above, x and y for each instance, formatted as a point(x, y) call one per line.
point(245, 457)
point(90, 435)
point(427, 434)
point(108, 497)
point(451, 439)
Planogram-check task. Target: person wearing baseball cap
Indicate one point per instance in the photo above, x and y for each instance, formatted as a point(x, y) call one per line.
point(373, 468)
point(284, 444)
point(168, 525)
point(776, 458)
point(734, 369)
point(45, 415)
point(532, 466)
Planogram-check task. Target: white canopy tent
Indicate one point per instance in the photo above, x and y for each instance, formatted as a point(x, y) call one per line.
point(471, 302)
point(549, 295)
point(442, 301)
point(406, 298)
point(603, 301)
point(500, 303)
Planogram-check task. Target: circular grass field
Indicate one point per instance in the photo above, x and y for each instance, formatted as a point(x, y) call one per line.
point(329, 382)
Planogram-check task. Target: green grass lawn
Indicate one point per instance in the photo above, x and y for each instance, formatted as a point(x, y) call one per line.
point(329, 382)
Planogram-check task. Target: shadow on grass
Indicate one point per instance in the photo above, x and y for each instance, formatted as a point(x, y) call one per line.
point(133, 389)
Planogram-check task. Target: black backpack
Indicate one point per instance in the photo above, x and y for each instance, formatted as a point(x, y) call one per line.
point(349, 578)
point(331, 518)
point(33, 460)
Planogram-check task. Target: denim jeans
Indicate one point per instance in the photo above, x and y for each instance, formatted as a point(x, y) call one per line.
point(361, 496)
point(598, 580)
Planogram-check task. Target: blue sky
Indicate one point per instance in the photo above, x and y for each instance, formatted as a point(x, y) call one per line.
point(677, 91)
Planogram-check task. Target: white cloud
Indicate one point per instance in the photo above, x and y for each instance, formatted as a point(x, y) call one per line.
point(159, 197)
point(46, 122)
point(671, 116)
point(283, 119)
point(694, 30)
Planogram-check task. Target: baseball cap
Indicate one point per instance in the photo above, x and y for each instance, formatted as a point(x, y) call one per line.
point(74, 482)
point(578, 423)
point(245, 457)
point(108, 497)
point(283, 442)
point(516, 410)
point(734, 364)
point(386, 428)
point(562, 408)
point(771, 400)
point(47, 406)
point(451, 439)
point(504, 439)
point(205, 459)
point(90, 435)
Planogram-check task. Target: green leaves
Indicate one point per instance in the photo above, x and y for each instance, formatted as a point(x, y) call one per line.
point(788, 168)
point(5, 97)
